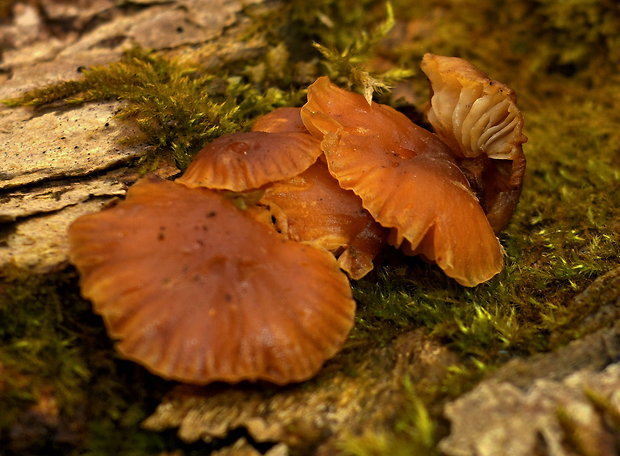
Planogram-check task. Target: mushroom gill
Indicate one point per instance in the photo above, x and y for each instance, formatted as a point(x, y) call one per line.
point(406, 178)
point(313, 208)
point(197, 291)
point(247, 161)
point(479, 119)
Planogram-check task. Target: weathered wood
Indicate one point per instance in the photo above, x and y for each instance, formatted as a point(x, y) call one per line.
point(55, 158)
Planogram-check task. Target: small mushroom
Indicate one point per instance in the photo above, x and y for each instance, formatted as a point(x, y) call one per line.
point(479, 119)
point(280, 120)
point(313, 208)
point(283, 120)
point(195, 290)
point(247, 161)
point(407, 180)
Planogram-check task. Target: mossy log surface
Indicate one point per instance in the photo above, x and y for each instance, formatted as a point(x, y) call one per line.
point(96, 93)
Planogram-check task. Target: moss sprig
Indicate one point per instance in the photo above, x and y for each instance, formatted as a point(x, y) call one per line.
point(348, 66)
point(178, 106)
point(54, 351)
point(528, 41)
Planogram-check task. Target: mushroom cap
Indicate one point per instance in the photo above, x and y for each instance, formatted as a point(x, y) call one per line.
point(249, 160)
point(280, 120)
point(196, 291)
point(407, 180)
point(479, 119)
point(471, 112)
point(313, 208)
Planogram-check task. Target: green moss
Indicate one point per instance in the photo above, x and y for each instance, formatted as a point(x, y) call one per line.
point(523, 38)
point(490, 322)
point(348, 66)
point(418, 426)
point(336, 24)
point(36, 341)
point(565, 232)
point(178, 106)
point(54, 351)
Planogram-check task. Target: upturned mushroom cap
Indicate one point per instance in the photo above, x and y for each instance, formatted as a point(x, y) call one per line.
point(197, 291)
point(479, 119)
point(280, 120)
point(247, 161)
point(407, 180)
point(313, 208)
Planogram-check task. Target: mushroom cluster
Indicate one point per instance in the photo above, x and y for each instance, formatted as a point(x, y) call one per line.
point(198, 290)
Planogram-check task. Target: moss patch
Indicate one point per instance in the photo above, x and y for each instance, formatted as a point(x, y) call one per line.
point(178, 107)
point(61, 389)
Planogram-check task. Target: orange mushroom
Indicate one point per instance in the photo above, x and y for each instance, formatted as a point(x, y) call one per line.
point(313, 208)
point(407, 180)
point(280, 120)
point(247, 161)
point(479, 119)
point(196, 291)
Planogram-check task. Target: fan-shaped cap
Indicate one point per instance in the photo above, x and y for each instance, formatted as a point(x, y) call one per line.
point(407, 180)
point(246, 161)
point(479, 119)
point(281, 120)
point(313, 208)
point(197, 291)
